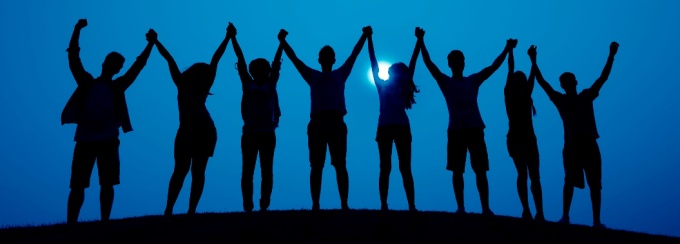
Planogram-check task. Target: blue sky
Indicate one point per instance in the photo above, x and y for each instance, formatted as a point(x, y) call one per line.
point(636, 111)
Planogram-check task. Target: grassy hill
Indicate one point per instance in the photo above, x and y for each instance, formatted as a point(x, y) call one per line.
point(326, 226)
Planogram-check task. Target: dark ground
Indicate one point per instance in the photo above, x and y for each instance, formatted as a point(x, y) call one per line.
point(326, 226)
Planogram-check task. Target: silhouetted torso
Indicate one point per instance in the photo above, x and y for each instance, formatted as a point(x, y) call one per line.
point(193, 114)
point(519, 110)
point(327, 89)
point(461, 101)
point(577, 114)
point(98, 121)
point(392, 104)
point(259, 106)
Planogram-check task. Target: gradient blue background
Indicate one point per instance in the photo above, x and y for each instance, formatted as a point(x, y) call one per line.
point(636, 112)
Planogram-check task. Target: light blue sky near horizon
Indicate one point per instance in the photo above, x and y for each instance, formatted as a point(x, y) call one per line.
point(636, 111)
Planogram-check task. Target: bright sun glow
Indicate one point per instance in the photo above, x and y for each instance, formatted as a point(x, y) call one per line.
point(383, 67)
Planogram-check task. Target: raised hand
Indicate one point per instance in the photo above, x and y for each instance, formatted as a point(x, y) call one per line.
point(613, 48)
point(81, 23)
point(368, 30)
point(420, 32)
point(511, 43)
point(152, 36)
point(532, 53)
point(231, 30)
point(282, 35)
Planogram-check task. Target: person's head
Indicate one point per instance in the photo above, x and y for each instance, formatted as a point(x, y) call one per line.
point(259, 69)
point(456, 61)
point(112, 64)
point(518, 82)
point(198, 78)
point(568, 82)
point(399, 76)
point(326, 57)
point(398, 72)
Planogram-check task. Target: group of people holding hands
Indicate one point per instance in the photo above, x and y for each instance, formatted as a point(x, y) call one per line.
point(98, 107)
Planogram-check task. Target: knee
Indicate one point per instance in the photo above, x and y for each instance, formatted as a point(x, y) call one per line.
point(195, 174)
point(385, 168)
point(267, 172)
point(534, 176)
point(106, 189)
point(404, 169)
point(180, 172)
point(340, 167)
point(317, 168)
point(522, 175)
point(78, 191)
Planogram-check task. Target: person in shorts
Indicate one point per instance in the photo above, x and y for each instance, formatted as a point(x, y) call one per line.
point(99, 109)
point(521, 139)
point(466, 128)
point(260, 112)
point(327, 128)
point(397, 94)
point(197, 136)
point(581, 152)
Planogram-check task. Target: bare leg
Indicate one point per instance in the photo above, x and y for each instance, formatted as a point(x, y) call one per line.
point(75, 201)
point(385, 151)
point(182, 166)
point(404, 152)
point(198, 167)
point(458, 186)
point(106, 201)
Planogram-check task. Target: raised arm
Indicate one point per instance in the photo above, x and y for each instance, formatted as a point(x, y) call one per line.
point(416, 52)
point(299, 65)
point(539, 77)
point(74, 62)
point(532, 80)
point(219, 52)
point(241, 63)
point(276, 62)
point(375, 69)
point(349, 63)
point(511, 68)
point(140, 62)
point(613, 48)
point(172, 65)
point(488, 71)
point(436, 74)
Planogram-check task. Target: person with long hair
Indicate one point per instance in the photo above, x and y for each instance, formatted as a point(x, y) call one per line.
point(260, 112)
point(521, 139)
point(197, 135)
point(397, 94)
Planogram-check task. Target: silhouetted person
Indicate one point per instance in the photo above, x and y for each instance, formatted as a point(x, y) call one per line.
point(397, 94)
point(327, 127)
point(466, 128)
point(260, 112)
point(521, 140)
point(99, 108)
point(581, 152)
point(196, 136)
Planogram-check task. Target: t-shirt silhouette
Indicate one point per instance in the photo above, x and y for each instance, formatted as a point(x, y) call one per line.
point(577, 114)
point(98, 121)
point(461, 101)
point(327, 89)
point(392, 104)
